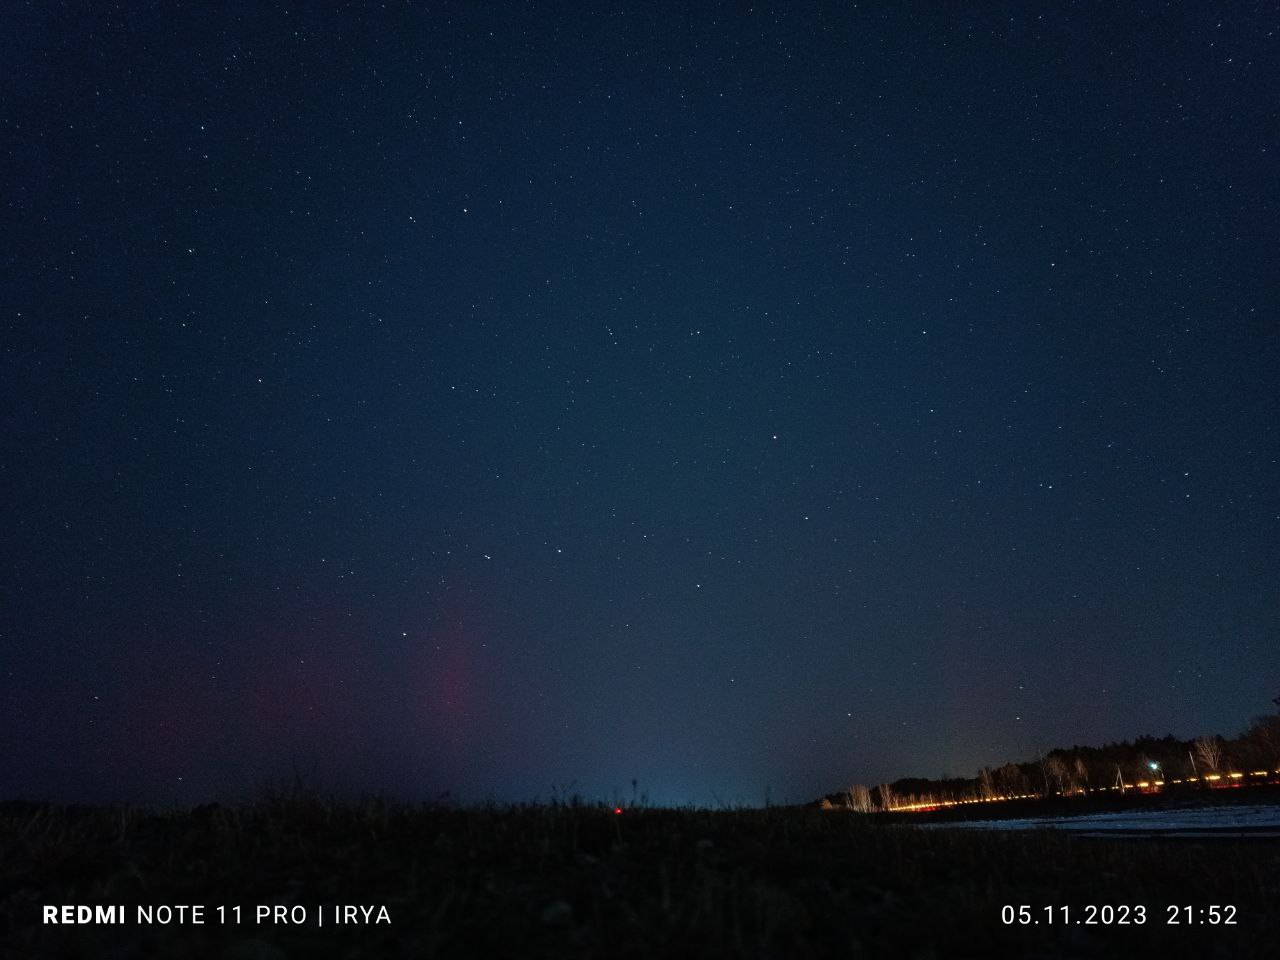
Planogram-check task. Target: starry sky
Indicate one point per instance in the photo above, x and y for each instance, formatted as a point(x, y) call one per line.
point(520, 399)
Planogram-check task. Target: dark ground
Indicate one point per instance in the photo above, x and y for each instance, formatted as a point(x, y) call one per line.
point(581, 881)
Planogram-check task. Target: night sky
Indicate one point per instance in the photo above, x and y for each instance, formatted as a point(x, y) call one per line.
point(514, 400)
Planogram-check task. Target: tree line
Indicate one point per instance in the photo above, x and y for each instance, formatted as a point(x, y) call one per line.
point(1068, 770)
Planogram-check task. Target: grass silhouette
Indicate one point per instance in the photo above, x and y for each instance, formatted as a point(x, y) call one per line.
point(573, 879)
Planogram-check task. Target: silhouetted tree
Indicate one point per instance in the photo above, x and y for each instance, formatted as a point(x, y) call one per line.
point(1010, 780)
point(1081, 772)
point(1259, 746)
point(1209, 753)
point(1056, 773)
point(860, 798)
point(885, 798)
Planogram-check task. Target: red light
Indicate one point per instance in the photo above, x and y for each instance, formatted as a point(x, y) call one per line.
point(617, 810)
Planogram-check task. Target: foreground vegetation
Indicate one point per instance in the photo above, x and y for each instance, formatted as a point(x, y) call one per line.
point(583, 881)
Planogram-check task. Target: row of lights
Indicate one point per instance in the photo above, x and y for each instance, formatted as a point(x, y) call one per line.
point(1142, 785)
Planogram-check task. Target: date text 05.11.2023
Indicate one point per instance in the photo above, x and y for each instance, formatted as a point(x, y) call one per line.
point(1118, 915)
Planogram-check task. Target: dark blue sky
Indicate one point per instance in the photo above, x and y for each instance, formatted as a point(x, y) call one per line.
point(745, 401)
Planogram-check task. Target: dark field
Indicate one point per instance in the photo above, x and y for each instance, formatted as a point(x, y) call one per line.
point(581, 881)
